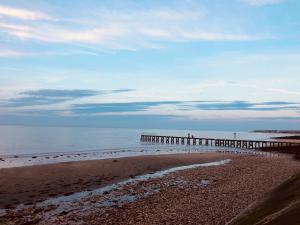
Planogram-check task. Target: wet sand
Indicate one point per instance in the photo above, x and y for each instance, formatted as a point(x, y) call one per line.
point(204, 195)
point(33, 184)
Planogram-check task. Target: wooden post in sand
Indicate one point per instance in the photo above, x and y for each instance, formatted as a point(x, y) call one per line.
point(194, 141)
point(200, 141)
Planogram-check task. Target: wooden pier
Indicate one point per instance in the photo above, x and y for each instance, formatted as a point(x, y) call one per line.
point(230, 143)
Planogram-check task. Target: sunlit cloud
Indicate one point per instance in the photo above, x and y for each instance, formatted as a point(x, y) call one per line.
point(118, 30)
point(23, 14)
point(198, 60)
point(112, 34)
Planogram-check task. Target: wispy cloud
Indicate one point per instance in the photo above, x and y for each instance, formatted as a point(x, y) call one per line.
point(48, 93)
point(250, 106)
point(117, 107)
point(7, 52)
point(46, 97)
point(65, 103)
point(11, 53)
point(53, 96)
point(119, 35)
point(262, 2)
point(181, 107)
point(23, 14)
point(114, 29)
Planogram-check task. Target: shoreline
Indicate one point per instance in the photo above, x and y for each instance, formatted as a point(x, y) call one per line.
point(22, 160)
point(14, 161)
point(204, 195)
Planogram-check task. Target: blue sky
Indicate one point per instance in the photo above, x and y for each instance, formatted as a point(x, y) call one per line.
point(209, 64)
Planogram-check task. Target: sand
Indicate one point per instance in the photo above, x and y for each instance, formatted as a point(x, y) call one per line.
point(205, 195)
point(33, 184)
point(281, 206)
point(232, 188)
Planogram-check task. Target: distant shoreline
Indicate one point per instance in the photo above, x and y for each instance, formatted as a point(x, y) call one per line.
point(278, 131)
point(294, 137)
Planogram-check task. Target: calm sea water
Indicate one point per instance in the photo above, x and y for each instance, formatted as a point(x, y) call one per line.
point(23, 145)
point(33, 140)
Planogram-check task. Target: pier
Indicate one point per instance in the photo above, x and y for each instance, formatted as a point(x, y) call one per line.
point(229, 143)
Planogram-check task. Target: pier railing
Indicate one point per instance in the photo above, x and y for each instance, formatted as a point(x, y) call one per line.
point(230, 143)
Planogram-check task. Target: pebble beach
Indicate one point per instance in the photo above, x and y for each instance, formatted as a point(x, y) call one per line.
point(198, 188)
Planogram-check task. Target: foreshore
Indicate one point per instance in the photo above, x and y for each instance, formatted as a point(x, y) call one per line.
point(33, 184)
point(202, 195)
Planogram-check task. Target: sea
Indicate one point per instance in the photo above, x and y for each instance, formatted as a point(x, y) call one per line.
point(26, 145)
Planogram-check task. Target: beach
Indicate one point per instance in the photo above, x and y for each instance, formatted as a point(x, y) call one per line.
point(149, 112)
point(208, 194)
point(31, 184)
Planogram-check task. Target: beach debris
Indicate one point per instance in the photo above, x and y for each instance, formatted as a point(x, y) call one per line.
point(204, 183)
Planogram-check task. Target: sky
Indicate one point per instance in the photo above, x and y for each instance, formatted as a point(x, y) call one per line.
point(205, 64)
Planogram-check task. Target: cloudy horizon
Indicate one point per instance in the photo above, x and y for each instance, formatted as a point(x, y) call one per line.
point(144, 64)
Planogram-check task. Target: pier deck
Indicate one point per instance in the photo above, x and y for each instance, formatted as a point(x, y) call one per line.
point(219, 142)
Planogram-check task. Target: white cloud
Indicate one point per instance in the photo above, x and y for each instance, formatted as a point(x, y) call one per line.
point(262, 2)
point(23, 14)
point(130, 30)
point(118, 36)
point(7, 52)
point(210, 36)
point(11, 53)
point(13, 27)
